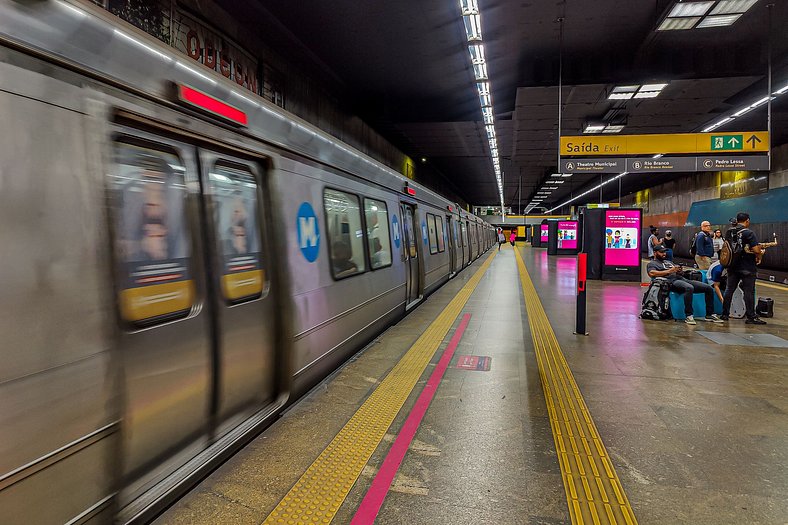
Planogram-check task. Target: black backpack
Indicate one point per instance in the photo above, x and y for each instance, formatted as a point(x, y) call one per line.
point(693, 246)
point(732, 247)
point(656, 300)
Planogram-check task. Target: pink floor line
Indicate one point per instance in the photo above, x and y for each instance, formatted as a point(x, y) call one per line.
point(370, 506)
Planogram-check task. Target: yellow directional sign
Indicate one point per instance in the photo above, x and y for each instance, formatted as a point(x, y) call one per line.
point(677, 143)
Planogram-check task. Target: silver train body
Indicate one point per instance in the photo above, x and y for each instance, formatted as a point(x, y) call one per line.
point(113, 399)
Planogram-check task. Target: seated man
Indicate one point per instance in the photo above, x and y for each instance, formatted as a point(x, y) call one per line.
point(717, 276)
point(661, 267)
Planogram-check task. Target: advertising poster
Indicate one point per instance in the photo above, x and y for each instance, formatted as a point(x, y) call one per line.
point(567, 235)
point(543, 234)
point(152, 243)
point(235, 197)
point(622, 231)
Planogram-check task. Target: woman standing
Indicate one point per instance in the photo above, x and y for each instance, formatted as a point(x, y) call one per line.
point(718, 242)
point(513, 237)
point(501, 238)
point(669, 242)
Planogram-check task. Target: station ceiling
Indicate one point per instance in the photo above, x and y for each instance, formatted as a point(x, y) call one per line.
point(405, 69)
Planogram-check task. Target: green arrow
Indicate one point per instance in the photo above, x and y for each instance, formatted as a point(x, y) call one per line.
point(733, 141)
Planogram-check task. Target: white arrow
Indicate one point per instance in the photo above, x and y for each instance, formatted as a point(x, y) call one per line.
point(733, 141)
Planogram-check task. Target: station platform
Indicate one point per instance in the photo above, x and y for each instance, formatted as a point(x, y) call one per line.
point(482, 406)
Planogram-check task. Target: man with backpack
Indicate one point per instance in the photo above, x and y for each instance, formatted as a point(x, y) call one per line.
point(661, 267)
point(742, 268)
point(703, 246)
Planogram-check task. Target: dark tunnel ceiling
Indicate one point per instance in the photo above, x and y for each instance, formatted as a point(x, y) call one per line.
point(404, 68)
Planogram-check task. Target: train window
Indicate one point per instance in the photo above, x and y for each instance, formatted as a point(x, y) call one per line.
point(149, 194)
point(439, 230)
point(431, 233)
point(234, 193)
point(345, 234)
point(379, 241)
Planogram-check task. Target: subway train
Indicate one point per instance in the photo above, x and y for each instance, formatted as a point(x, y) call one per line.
point(181, 259)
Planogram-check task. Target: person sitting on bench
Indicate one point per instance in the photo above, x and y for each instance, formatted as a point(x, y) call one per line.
point(661, 267)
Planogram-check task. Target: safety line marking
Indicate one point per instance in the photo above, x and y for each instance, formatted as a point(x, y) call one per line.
point(318, 494)
point(593, 490)
point(370, 506)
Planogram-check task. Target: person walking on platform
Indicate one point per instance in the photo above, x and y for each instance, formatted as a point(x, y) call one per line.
point(704, 246)
point(501, 238)
point(653, 240)
point(718, 242)
point(513, 237)
point(743, 268)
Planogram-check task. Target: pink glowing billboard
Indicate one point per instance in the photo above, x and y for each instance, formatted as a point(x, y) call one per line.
point(567, 235)
point(543, 234)
point(622, 234)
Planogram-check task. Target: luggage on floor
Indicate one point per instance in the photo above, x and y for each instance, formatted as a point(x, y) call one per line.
point(738, 310)
point(765, 307)
point(656, 300)
point(692, 275)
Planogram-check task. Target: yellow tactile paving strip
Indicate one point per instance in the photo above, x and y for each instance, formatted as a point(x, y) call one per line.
point(318, 494)
point(593, 491)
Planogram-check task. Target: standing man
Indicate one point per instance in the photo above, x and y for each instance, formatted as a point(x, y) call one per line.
point(704, 246)
point(743, 269)
point(653, 241)
point(501, 238)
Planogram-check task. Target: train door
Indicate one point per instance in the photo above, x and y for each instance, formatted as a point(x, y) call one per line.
point(411, 254)
point(466, 245)
point(451, 236)
point(244, 310)
point(163, 306)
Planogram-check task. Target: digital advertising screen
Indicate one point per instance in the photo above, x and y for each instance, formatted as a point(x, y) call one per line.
point(621, 236)
point(567, 235)
point(543, 234)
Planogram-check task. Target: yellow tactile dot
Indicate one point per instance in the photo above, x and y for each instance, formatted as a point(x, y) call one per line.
point(327, 482)
point(570, 420)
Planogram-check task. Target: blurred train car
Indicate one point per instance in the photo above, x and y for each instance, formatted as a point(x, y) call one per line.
point(180, 260)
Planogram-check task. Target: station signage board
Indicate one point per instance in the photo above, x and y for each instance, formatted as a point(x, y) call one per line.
point(664, 144)
point(667, 164)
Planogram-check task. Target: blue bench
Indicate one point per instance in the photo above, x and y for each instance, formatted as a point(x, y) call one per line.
point(698, 303)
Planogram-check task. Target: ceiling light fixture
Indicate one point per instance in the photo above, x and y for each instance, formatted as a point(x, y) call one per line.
point(620, 96)
point(593, 128)
point(719, 21)
point(573, 199)
point(565, 175)
point(472, 22)
point(700, 14)
point(610, 128)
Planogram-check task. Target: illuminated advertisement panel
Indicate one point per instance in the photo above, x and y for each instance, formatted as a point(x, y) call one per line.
point(621, 235)
point(543, 234)
point(567, 235)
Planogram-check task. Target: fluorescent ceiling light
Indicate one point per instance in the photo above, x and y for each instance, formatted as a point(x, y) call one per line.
point(558, 182)
point(613, 129)
point(485, 101)
point(477, 53)
point(718, 124)
point(653, 87)
point(760, 102)
point(480, 71)
point(657, 156)
point(685, 9)
point(626, 89)
point(555, 175)
point(566, 175)
point(647, 94)
point(781, 90)
point(593, 128)
point(483, 88)
point(488, 119)
point(725, 7)
point(678, 24)
point(743, 111)
point(473, 27)
point(551, 182)
point(718, 21)
point(620, 96)
point(469, 7)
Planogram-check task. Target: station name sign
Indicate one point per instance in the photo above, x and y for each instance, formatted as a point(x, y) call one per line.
point(666, 164)
point(665, 144)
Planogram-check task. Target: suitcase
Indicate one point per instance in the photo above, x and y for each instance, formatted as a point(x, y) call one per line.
point(765, 307)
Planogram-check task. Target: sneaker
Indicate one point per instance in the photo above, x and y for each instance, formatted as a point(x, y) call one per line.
point(714, 318)
point(724, 317)
point(690, 320)
point(755, 320)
